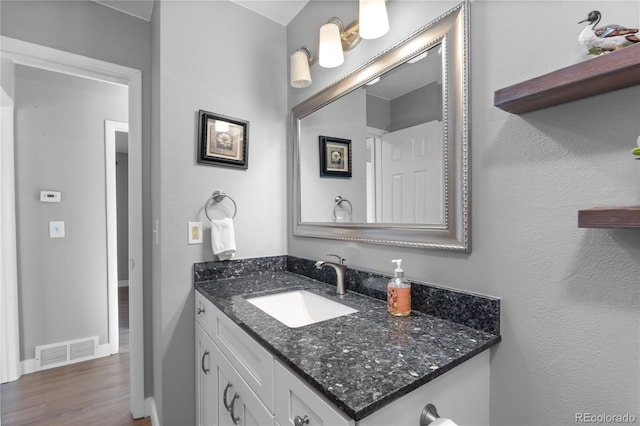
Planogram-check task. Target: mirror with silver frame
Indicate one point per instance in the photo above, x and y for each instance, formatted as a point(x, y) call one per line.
point(404, 115)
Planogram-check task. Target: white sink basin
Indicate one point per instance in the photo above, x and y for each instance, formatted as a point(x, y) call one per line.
point(299, 308)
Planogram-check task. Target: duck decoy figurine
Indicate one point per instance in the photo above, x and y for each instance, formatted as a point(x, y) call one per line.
point(605, 38)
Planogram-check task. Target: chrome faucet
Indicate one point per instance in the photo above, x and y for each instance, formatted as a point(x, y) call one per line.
point(340, 269)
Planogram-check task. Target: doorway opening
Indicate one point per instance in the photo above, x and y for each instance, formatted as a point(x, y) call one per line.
point(41, 57)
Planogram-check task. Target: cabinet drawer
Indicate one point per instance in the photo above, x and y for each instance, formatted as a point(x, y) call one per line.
point(295, 398)
point(252, 361)
point(237, 404)
point(205, 315)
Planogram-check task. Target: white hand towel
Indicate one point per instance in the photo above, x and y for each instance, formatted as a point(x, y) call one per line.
point(223, 240)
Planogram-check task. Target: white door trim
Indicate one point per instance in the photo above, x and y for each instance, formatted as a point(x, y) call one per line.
point(38, 56)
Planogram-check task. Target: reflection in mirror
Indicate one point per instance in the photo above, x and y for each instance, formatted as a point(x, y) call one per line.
point(395, 125)
point(404, 115)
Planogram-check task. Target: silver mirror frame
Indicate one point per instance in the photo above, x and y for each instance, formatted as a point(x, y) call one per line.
point(452, 30)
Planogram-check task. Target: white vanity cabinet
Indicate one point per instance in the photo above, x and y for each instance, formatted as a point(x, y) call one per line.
point(226, 390)
point(206, 382)
point(297, 404)
point(461, 394)
point(237, 403)
point(240, 383)
point(223, 397)
point(253, 362)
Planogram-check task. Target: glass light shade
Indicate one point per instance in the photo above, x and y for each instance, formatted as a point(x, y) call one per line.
point(330, 51)
point(299, 69)
point(373, 18)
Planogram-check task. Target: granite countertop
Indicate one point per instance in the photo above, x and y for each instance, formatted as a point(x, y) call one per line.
point(362, 361)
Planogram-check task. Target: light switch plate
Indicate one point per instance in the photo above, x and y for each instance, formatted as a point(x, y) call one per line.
point(56, 229)
point(195, 233)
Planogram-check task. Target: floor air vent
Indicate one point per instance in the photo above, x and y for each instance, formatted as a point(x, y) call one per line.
point(57, 354)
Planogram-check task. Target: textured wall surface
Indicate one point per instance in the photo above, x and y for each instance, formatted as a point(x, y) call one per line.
point(205, 62)
point(570, 296)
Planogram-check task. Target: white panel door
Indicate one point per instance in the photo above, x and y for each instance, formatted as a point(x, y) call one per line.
point(411, 179)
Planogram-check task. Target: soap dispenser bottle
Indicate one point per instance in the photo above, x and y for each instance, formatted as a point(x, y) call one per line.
point(399, 293)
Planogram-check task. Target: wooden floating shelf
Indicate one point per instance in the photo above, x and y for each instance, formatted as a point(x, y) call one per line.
point(609, 217)
point(604, 73)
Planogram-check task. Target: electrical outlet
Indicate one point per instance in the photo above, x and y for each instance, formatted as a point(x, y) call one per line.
point(195, 233)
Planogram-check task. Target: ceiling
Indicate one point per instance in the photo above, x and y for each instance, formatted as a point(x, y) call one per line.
point(139, 8)
point(409, 76)
point(280, 11)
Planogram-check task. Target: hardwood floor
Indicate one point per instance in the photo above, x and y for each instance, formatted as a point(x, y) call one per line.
point(93, 392)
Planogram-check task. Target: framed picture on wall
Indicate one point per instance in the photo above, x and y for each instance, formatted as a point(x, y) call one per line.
point(223, 141)
point(335, 156)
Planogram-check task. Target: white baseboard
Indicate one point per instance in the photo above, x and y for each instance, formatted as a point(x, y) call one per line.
point(103, 350)
point(29, 365)
point(151, 411)
point(123, 283)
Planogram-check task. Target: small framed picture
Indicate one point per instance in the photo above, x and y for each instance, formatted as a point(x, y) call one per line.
point(223, 141)
point(335, 157)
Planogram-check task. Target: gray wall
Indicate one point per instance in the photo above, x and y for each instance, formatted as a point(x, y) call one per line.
point(156, 330)
point(416, 107)
point(90, 29)
point(570, 296)
point(344, 119)
point(223, 58)
point(60, 146)
point(378, 113)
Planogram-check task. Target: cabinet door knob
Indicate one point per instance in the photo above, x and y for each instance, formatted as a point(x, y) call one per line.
point(231, 413)
point(200, 311)
point(206, 370)
point(301, 421)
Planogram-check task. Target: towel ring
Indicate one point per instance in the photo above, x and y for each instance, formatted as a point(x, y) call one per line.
point(216, 198)
point(338, 203)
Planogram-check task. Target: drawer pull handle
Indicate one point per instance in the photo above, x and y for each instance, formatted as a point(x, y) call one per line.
point(206, 370)
point(200, 311)
point(233, 416)
point(224, 396)
point(301, 421)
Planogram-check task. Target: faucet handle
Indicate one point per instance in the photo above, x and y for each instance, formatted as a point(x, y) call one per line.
point(340, 259)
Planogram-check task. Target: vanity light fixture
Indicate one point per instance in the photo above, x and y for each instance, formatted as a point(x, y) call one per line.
point(300, 72)
point(336, 39)
point(374, 21)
